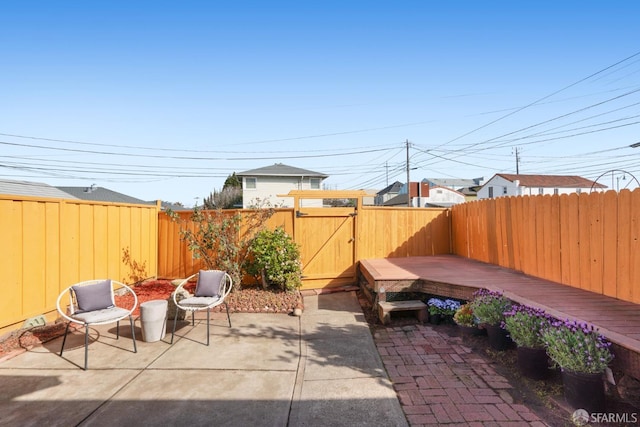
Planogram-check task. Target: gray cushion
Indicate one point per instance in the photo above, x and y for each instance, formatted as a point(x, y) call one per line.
point(98, 316)
point(198, 302)
point(96, 296)
point(209, 283)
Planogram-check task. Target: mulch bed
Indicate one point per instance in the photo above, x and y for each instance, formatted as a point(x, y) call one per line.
point(247, 299)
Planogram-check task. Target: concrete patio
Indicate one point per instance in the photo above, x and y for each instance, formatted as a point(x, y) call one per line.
point(321, 369)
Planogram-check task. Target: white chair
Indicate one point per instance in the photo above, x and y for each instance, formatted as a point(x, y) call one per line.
point(92, 302)
point(212, 288)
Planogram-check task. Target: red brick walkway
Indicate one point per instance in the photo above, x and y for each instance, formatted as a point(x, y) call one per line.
point(440, 381)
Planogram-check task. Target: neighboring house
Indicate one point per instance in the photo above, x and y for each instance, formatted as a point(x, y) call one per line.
point(388, 193)
point(270, 181)
point(503, 184)
point(33, 189)
point(468, 187)
point(424, 196)
point(100, 194)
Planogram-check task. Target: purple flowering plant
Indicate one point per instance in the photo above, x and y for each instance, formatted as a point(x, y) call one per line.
point(489, 306)
point(577, 347)
point(446, 307)
point(525, 325)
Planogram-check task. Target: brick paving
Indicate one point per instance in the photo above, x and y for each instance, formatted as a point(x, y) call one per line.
point(439, 381)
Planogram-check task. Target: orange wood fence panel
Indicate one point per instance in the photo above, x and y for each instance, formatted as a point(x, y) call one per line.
point(379, 232)
point(50, 244)
point(588, 241)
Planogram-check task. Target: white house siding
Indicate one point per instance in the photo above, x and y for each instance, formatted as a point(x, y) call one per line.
point(498, 184)
point(440, 195)
point(268, 188)
point(503, 187)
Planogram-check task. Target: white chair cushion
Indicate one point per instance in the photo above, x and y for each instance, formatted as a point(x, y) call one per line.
point(198, 301)
point(105, 315)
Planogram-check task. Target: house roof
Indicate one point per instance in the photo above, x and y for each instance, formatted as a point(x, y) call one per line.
point(280, 169)
point(100, 194)
point(399, 200)
point(573, 181)
point(393, 189)
point(33, 189)
point(453, 182)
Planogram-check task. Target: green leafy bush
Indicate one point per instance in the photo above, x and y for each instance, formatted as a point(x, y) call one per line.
point(464, 316)
point(577, 347)
point(489, 306)
point(274, 258)
point(525, 325)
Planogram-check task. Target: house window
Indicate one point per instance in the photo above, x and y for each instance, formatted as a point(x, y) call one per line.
point(250, 183)
point(504, 190)
point(556, 191)
point(491, 192)
point(314, 183)
point(578, 190)
point(540, 190)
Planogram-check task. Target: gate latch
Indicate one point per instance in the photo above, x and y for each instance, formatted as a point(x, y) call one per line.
point(299, 214)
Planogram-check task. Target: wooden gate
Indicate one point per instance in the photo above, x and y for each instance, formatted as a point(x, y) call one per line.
point(327, 237)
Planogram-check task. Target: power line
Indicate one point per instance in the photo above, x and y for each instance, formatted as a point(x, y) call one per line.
point(541, 99)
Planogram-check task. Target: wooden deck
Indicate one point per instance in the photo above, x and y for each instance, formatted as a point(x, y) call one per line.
point(457, 277)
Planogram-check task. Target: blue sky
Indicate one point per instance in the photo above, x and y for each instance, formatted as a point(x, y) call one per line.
point(163, 100)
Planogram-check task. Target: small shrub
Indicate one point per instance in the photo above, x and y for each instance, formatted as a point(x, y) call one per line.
point(577, 347)
point(489, 307)
point(275, 258)
point(464, 316)
point(525, 325)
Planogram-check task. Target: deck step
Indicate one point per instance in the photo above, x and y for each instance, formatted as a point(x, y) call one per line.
point(386, 307)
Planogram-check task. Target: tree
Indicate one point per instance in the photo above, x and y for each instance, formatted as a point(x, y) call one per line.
point(228, 198)
point(232, 181)
point(222, 238)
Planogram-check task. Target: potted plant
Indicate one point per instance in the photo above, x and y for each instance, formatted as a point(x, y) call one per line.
point(442, 310)
point(525, 325)
point(465, 319)
point(583, 355)
point(489, 307)
point(436, 310)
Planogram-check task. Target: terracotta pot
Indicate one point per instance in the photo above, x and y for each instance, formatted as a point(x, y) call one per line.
point(533, 362)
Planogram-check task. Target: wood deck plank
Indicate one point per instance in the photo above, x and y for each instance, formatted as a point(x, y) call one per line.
point(618, 320)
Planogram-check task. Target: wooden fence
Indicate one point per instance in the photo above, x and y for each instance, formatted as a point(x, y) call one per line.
point(175, 260)
point(588, 241)
point(378, 232)
point(50, 244)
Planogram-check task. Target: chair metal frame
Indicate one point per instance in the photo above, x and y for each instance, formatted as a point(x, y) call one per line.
point(110, 315)
point(225, 289)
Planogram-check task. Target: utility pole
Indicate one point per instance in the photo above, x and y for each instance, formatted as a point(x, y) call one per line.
point(517, 161)
point(386, 168)
point(408, 178)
